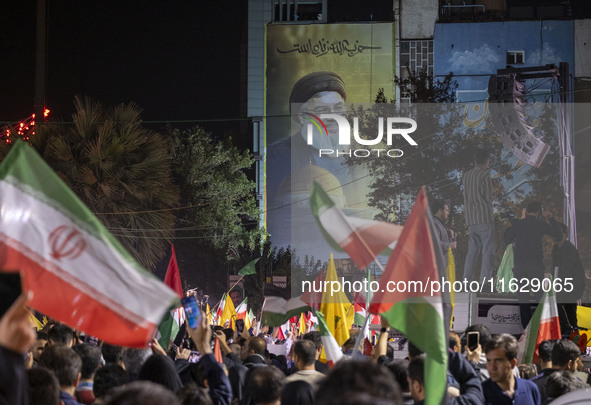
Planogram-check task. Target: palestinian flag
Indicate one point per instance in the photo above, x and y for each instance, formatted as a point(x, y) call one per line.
point(279, 306)
point(544, 325)
point(362, 239)
point(79, 273)
point(360, 312)
point(169, 327)
point(412, 309)
point(331, 347)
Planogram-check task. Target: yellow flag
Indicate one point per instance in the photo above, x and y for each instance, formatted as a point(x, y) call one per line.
point(302, 324)
point(334, 305)
point(36, 323)
point(229, 313)
point(208, 314)
point(584, 319)
point(247, 322)
point(451, 277)
point(350, 314)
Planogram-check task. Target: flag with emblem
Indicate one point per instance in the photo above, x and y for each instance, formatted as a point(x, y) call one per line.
point(78, 272)
point(334, 303)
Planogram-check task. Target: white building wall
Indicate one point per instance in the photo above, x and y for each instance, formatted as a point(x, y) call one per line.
point(417, 18)
point(583, 48)
point(259, 14)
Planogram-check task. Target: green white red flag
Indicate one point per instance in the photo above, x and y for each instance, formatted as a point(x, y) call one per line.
point(78, 272)
point(544, 325)
point(242, 309)
point(331, 347)
point(220, 310)
point(361, 239)
point(412, 307)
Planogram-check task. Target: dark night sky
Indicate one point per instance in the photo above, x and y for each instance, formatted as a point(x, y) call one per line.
point(179, 60)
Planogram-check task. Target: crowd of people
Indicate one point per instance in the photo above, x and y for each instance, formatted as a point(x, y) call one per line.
point(57, 365)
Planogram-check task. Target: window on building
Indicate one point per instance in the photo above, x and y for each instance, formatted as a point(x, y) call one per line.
point(298, 10)
point(515, 57)
point(414, 57)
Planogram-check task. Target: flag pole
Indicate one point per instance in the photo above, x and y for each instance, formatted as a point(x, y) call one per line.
point(356, 350)
point(253, 262)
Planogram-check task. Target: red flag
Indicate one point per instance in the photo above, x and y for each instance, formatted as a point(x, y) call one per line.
point(280, 335)
point(367, 347)
point(217, 351)
point(172, 278)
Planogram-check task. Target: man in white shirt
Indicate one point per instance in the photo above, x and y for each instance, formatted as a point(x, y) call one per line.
point(304, 356)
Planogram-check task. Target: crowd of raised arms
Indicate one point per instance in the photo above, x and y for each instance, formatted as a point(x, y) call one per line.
point(58, 365)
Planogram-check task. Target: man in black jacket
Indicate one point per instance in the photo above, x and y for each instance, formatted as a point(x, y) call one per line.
point(527, 234)
point(467, 378)
point(570, 270)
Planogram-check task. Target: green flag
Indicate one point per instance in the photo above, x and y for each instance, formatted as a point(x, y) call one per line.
point(249, 268)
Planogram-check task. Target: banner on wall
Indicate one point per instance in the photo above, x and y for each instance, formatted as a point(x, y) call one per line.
point(357, 60)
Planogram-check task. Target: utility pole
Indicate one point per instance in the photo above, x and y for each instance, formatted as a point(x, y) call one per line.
point(40, 62)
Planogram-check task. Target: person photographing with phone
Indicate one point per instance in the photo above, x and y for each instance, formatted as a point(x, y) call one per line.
point(216, 380)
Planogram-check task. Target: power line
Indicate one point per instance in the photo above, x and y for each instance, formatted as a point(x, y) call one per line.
point(239, 119)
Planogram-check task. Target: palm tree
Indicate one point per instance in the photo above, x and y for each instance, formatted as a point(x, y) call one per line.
point(120, 170)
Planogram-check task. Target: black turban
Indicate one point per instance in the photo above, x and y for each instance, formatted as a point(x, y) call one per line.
point(314, 83)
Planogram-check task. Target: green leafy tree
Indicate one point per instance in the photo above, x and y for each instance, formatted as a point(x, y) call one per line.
point(272, 261)
point(120, 170)
point(445, 151)
point(219, 210)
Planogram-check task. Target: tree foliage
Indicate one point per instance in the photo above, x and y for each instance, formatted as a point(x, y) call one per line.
point(272, 261)
point(120, 170)
point(422, 87)
point(217, 196)
point(275, 261)
point(446, 146)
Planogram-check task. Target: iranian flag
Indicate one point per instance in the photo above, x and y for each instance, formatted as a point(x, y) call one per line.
point(413, 309)
point(331, 347)
point(361, 239)
point(78, 272)
point(220, 310)
point(279, 306)
point(242, 309)
point(242, 313)
point(544, 325)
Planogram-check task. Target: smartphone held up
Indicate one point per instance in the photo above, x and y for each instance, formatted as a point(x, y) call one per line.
point(192, 311)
